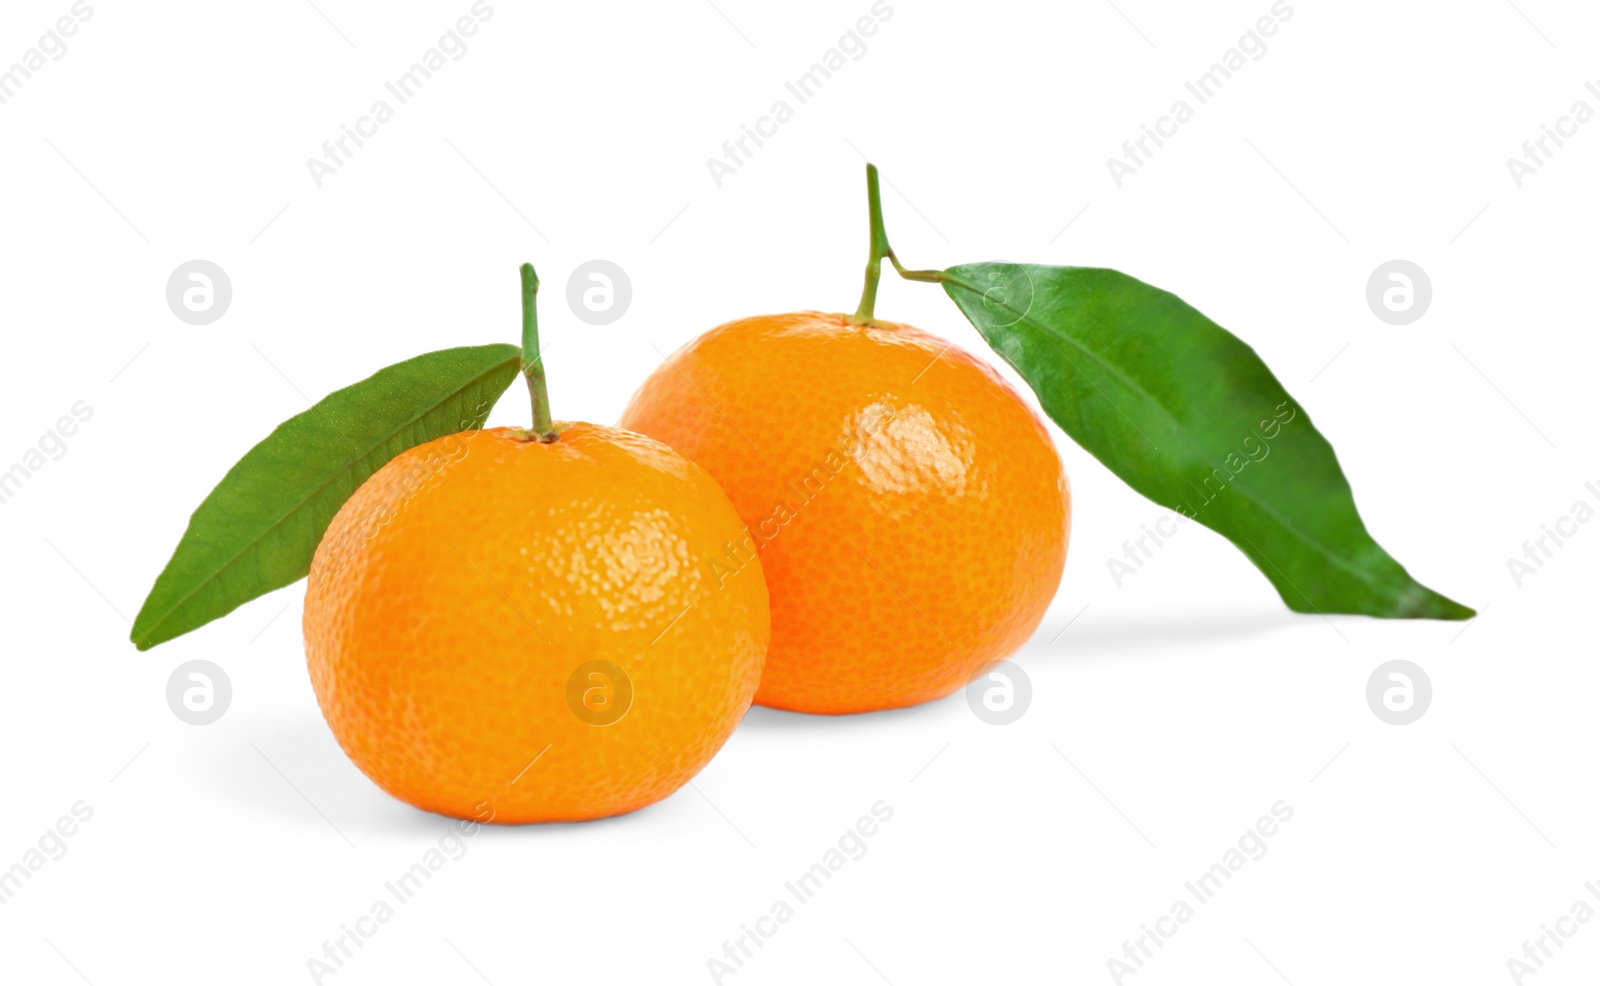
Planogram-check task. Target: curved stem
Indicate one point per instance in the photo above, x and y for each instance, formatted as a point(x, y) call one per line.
point(878, 249)
point(532, 362)
point(931, 276)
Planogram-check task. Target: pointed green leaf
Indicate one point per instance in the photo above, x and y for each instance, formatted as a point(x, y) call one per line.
point(258, 529)
point(1187, 414)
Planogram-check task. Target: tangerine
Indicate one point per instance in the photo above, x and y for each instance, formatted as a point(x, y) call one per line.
point(505, 628)
point(908, 509)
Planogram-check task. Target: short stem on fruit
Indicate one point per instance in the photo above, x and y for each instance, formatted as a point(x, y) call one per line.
point(532, 362)
point(878, 249)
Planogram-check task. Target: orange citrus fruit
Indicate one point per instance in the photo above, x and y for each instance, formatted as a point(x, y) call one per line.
point(908, 509)
point(505, 629)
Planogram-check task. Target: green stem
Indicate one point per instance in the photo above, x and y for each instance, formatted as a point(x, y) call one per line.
point(878, 249)
point(532, 362)
point(931, 276)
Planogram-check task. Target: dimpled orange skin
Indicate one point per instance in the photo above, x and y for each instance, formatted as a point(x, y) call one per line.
point(455, 594)
point(910, 512)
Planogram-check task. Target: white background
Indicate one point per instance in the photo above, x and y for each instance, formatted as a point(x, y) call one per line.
point(1164, 721)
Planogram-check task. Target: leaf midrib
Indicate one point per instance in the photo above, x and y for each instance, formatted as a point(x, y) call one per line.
point(310, 496)
point(1183, 430)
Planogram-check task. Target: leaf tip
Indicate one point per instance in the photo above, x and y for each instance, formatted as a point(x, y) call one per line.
point(1455, 611)
point(1421, 602)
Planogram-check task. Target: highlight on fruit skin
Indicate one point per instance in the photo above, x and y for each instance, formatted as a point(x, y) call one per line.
point(909, 510)
point(500, 628)
point(566, 621)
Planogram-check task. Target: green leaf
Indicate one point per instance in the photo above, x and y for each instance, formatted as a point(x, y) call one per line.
point(1187, 414)
point(258, 529)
